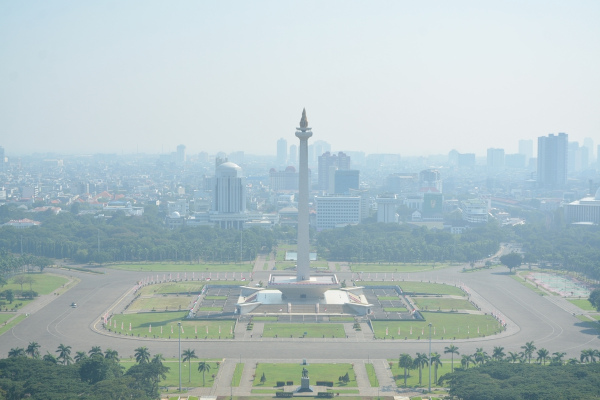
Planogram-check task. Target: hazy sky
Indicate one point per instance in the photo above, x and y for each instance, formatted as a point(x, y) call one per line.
point(408, 77)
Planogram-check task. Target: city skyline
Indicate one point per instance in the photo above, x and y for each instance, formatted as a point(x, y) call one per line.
point(387, 77)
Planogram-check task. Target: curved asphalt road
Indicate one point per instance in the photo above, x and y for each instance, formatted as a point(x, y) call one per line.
point(546, 320)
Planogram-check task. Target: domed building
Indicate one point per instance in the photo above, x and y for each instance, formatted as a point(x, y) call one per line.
point(586, 210)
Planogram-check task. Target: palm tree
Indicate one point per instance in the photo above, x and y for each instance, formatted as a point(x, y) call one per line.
point(466, 360)
point(95, 351)
point(142, 355)
point(542, 355)
point(50, 358)
point(405, 362)
point(480, 356)
point(80, 356)
point(498, 353)
point(452, 349)
point(187, 356)
point(111, 354)
point(33, 350)
point(64, 354)
point(572, 361)
point(420, 361)
point(558, 356)
point(158, 359)
point(203, 367)
point(436, 362)
point(528, 350)
point(17, 352)
point(513, 357)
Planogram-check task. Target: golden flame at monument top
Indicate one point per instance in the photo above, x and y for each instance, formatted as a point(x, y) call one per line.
point(304, 121)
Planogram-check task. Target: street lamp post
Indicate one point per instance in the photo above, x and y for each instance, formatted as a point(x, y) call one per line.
point(179, 328)
point(429, 357)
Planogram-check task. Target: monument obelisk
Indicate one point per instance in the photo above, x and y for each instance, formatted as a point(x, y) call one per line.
point(303, 268)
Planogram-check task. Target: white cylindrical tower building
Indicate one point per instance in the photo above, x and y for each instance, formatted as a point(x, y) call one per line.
point(303, 133)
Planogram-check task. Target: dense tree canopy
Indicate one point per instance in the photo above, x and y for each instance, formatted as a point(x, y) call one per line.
point(403, 243)
point(506, 381)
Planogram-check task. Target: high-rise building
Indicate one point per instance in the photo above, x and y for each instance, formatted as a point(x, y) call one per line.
point(328, 164)
point(526, 148)
point(180, 154)
point(282, 152)
point(345, 180)
point(495, 159)
point(552, 160)
point(386, 208)
point(336, 211)
point(293, 156)
point(229, 196)
point(588, 143)
point(430, 179)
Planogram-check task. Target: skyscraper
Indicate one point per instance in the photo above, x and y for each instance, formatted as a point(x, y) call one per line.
point(495, 159)
point(282, 152)
point(180, 154)
point(526, 148)
point(229, 196)
point(552, 161)
point(293, 156)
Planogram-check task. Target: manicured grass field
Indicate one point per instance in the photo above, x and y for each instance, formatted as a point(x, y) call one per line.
point(412, 379)
point(183, 267)
point(341, 319)
point(417, 287)
point(172, 379)
point(293, 372)
point(459, 326)
point(42, 283)
point(584, 304)
point(396, 267)
point(185, 287)
point(4, 328)
point(237, 375)
point(382, 298)
point(297, 330)
point(430, 288)
point(373, 381)
point(141, 323)
point(162, 303)
point(435, 303)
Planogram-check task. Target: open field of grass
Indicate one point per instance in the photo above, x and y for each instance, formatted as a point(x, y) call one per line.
point(186, 267)
point(161, 303)
point(297, 330)
point(237, 375)
point(435, 303)
point(185, 287)
point(164, 325)
point(417, 287)
point(444, 325)
point(396, 267)
point(172, 379)
point(42, 283)
point(8, 326)
point(584, 304)
point(412, 379)
point(373, 381)
point(382, 298)
point(293, 372)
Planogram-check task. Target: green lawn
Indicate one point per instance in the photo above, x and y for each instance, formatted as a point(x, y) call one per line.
point(396, 267)
point(142, 323)
point(381, 298)
point(172, 379)
point(11, 324)
point(373, 381)
point(417, 287)
point(456, 325)
point(186, 267)
point(237, 375)
point(184, 287)
point(162, 303)
point(293, 372)
point(435, 303)
point(42, 283)
point(412, 379)
point(297, 330)
point(584, 304)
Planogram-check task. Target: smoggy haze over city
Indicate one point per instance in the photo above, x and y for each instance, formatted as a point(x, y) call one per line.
point(413, 78)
